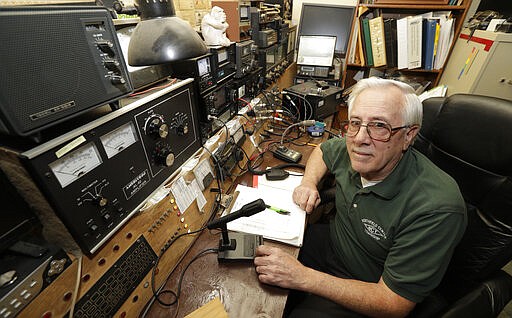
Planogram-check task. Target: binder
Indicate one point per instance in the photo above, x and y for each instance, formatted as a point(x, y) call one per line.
point(444, 42)
point(376, 26)
point(353, 58)
point(401, 43)
point(414, 41)
point(429, 35)
point(390, 37)
point(367, 42)
point(436, 42)
point(360, 45)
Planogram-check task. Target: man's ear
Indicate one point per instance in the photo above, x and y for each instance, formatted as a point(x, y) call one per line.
point(410, 135)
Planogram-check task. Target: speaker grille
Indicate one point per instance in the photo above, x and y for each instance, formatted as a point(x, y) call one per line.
point(51, 65)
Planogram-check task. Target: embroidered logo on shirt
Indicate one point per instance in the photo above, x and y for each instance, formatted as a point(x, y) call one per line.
point(373, 229)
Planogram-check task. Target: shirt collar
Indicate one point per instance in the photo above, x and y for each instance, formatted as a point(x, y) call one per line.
point(391, 185)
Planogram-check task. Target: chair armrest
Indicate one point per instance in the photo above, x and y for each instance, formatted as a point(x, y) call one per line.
point(486, 300)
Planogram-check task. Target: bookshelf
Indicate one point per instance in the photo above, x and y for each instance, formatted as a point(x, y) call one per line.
point(397, 9)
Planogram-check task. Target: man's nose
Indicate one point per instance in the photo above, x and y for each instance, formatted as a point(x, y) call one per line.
point(362, 135)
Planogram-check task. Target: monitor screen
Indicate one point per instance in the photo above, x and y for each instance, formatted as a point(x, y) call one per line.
point(203, 66)
point(334, 20)
point(316, 50)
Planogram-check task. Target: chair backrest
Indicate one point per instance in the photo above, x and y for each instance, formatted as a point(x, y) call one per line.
point(470, 138)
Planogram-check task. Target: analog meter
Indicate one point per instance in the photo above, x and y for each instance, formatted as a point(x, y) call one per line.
point(76, 164)
point(119, 139)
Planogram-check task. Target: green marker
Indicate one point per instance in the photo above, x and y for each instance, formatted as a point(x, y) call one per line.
point(278, 210)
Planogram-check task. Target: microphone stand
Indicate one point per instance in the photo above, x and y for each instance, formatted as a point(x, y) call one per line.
point(241, 246)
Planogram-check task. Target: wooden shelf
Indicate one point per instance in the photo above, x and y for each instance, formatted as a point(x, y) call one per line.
point(413, 6)
point(418, 70)
point(397, 10)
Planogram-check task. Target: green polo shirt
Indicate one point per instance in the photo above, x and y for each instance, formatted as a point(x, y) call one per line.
point(404, 228)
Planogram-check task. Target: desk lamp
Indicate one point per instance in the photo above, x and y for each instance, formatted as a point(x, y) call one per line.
point(161, 37)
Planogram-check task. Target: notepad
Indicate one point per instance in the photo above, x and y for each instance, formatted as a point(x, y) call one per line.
point(286, 228)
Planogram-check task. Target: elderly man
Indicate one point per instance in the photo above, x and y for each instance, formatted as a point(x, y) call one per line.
point(398, 216)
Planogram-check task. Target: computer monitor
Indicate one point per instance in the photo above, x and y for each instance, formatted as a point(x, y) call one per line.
point(334, 20)
point(317, 50)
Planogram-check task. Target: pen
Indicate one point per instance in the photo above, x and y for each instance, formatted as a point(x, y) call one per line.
point(278, 210)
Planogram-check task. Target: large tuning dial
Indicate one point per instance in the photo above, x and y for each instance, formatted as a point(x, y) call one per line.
point(156, 127)
point(163, 154)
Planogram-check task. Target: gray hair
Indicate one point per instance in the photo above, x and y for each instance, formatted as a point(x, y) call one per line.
point(412, 110)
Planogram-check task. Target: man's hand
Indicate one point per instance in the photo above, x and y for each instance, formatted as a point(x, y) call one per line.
point(276, 267)
point(306, 196)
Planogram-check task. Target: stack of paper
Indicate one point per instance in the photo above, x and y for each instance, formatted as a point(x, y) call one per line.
point(286, 228)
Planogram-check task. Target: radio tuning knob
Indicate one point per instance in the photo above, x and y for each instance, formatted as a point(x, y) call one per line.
point(157, 128)
point(182, 130)
point(106, 47)
point(164, 155)
point(116, 79)
point(101, 200)
point(112, 65)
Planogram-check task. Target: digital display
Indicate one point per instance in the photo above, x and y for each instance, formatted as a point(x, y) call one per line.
point(246, 50)
point(316, 50)
point(244, 13)
point(203, 66)
point(222, 55)
point(271, 59)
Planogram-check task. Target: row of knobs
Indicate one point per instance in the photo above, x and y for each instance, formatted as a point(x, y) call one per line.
point(158, 129)
point(111, 63)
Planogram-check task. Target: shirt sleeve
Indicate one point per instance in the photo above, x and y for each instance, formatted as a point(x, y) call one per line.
point(421, 252)
point(331, 150)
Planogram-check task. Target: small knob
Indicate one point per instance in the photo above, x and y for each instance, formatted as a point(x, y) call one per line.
point(182, 130)
point(101, 200)
point(116, 79)
point(112, 65)
point(106, 47)
point(164, 155)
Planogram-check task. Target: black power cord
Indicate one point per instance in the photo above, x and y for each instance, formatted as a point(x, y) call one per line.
point(277, 172)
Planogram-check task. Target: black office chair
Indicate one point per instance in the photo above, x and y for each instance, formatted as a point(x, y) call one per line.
point(470, 138)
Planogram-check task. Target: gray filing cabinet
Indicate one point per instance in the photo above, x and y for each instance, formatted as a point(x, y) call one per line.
point(481, 64)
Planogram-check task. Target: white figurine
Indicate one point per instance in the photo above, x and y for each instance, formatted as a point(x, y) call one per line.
point(213, 27)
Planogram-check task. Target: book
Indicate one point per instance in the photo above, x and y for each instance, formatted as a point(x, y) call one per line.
point(446, 33)
point(436, 41)
point(414, 41)
point(376, 26)
point(429, 34)
point(391, 42)
point(401, 40)
point(286, 228)
point(367, 42)
point(353, 57)
point(360, 47)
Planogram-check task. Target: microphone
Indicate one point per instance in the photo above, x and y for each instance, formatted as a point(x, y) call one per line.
point(229, 250)
point(284, 153)
point(246, 210)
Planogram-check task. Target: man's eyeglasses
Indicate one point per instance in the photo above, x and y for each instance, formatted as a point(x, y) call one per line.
point(376, 130)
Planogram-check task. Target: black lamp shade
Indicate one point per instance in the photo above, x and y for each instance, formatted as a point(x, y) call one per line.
point(161, 37)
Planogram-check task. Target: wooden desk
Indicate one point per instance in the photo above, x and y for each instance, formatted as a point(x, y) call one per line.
point(236, 284)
